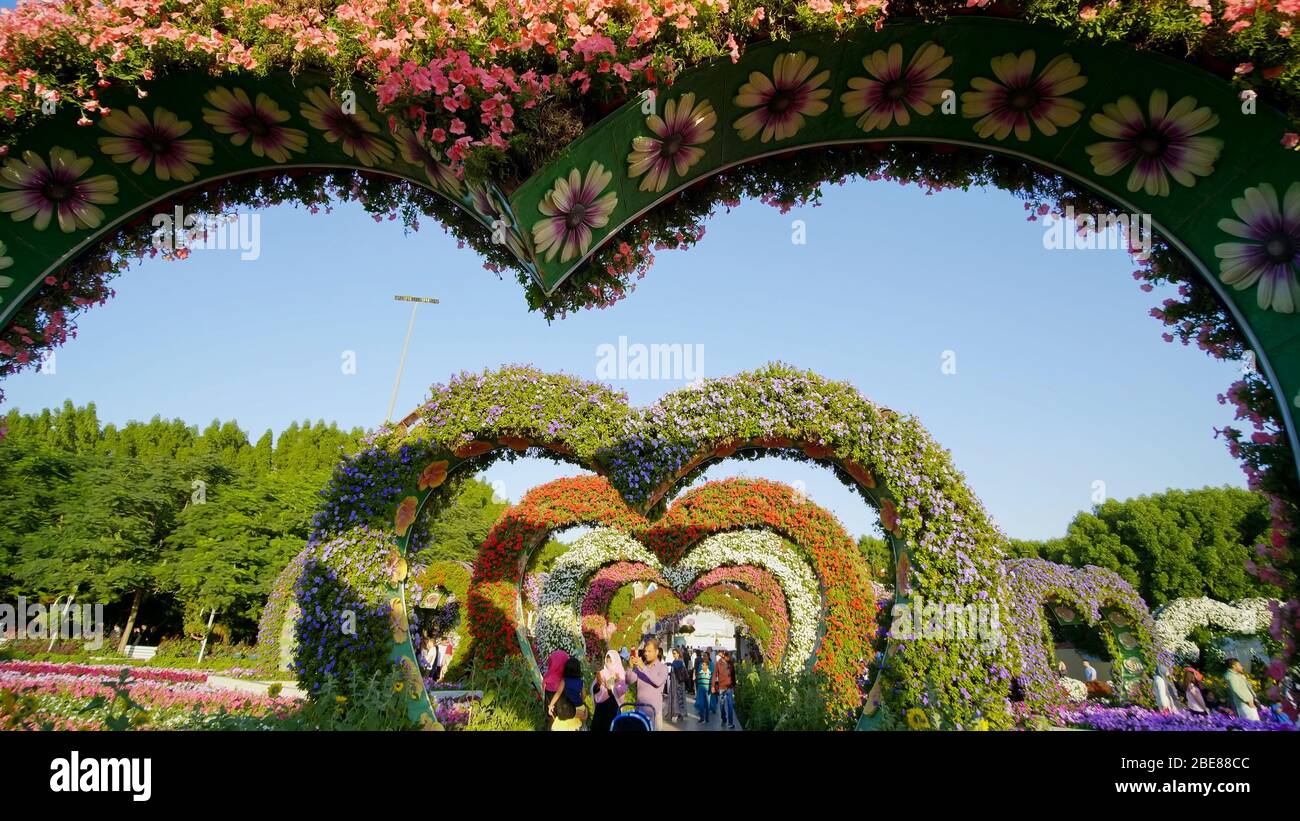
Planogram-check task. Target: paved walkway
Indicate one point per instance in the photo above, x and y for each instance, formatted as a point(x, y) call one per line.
point(691, 724)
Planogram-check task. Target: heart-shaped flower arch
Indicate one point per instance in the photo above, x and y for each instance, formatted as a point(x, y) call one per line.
point(945, 546)
point(779, 587)
point(495, 613)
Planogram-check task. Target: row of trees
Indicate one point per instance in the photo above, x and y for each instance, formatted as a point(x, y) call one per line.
point(1180, 543)
point(179, 521)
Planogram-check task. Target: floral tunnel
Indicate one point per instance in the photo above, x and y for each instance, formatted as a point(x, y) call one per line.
point(1090, 596)
point(375, 511)
point(707, 551)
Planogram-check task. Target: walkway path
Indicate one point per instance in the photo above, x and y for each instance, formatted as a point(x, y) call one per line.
point(691, 724)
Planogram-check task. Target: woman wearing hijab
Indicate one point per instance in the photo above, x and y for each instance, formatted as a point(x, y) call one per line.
point(678, 681)
point(553, 680)
point(607, 690)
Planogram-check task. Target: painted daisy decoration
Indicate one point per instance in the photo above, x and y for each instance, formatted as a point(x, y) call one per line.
point(57, 191)
point(355, 132)
point(782, 102)
point(257, 122)
point(417, 151)
point(676, 145)
point(158, 141)
point(1160, 143)
point(574, 206)
point(1267, 252)
point(892, 90)
point(1019, 100)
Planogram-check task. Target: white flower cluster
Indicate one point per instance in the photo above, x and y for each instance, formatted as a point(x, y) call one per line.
point(559, 623)
point(1076, 690)
point(1178, 618)
point(762, 548)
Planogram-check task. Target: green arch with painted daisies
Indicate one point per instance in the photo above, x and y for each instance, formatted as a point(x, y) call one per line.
point(1231, 170)
point(1235, 165)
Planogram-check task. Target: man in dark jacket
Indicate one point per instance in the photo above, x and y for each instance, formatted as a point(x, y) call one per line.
point(724, 684)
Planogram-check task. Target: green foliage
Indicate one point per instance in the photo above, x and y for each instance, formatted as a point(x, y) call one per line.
point(510, 699)
point(879, 556)
point(768, 699)
point(458, 530)
point(204, 519)
point(1180, 543)
point(541, 560)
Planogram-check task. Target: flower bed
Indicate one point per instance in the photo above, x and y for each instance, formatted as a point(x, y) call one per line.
point(36, 668)
point(62, 692)
point(1142, 719)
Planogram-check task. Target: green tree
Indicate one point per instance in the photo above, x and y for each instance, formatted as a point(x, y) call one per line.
point(459, 531)
point(1173, 544)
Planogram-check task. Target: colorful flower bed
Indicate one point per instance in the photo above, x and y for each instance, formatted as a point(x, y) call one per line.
point(36, 668)
point(168, 698)
point(1093, 596)
point(1143, 719)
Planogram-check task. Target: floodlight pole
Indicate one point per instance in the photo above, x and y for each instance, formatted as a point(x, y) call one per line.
point(410, 326)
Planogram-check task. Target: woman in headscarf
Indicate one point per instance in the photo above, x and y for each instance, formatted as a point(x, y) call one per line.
point(554, 679)
point(607, 690)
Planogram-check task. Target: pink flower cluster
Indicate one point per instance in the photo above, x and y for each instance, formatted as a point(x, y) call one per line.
point(36, 668)
point(154, 694)
point(761, 583)
point(604, 584)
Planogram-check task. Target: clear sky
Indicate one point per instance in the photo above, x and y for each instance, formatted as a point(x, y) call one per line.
point(1061, 376)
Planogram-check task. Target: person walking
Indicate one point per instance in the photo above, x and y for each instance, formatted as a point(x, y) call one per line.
point(553, 680)
point(1192, 691)
point(1089, 672)
point(1165, 702)
point(649, 673)
point(1243, 695)
point(675, 710)
point(703, 682)
point(607, 690)
point(724, 683)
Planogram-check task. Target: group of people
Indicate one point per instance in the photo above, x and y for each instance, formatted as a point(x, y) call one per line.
point(1169, 685)
point(435, 657)
point(661, 687)
point(1245, 702)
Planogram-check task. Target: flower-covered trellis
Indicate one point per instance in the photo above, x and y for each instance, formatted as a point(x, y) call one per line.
point(1178, 618)
point(575, 599)
point(1091, 596)
point(947, 548)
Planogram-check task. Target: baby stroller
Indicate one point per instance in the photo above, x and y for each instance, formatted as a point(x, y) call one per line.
point(631, 719)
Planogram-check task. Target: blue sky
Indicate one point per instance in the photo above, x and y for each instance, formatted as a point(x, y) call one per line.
point(1061, 376)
